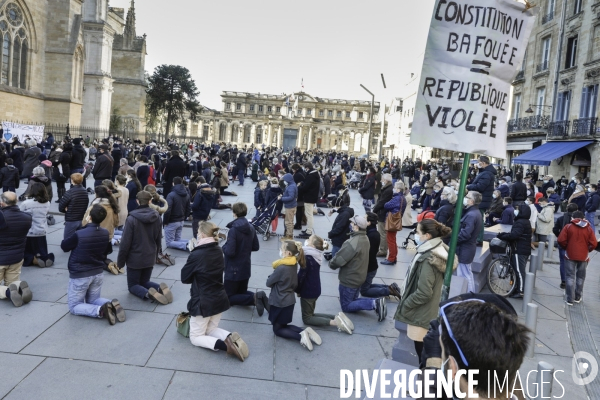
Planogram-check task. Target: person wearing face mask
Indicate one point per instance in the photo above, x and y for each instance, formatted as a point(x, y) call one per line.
point(459, 340)
point(471, 224)
point(353, 262)
point(483, 184)
point(422, 288)
point(503, 188)
point(591, 205)
point(445, 214)
point(396, 204)
point(571, 186)
point(508, 212)
point(545, 220)
point(520, 238)
point(548, 183)
point(309, 288)
point(553, 198)
point(495, 210)
point(289, 200)
point(578, 197)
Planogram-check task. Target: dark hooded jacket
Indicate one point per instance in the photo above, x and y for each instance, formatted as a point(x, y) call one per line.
point(470, 226)
point(88, 246)
point(14, 234)
point(520, 234)
point(484, 184)
point(341, 226)
point(203, 201)
point(141, 239)
point(241, 242)
point(179, 205)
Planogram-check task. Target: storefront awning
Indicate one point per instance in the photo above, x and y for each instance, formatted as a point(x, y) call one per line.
point(519, 146)
point(544, 154)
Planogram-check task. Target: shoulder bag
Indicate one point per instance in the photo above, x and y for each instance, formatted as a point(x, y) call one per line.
point(182, 322)
point(393, 221)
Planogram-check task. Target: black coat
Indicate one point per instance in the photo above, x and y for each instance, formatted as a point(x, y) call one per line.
point(203, 201)
point(64, 160)
point(520, 233)
point(14, 235)
point(116, 155)
point(445, 214)
point(133, 191)
point(143, 173)
point(470, 226)
point(340, 228)
point(103, 167)
point(386, 195)
point(484, 184)
point(88, 251)
point(175, 167)
point(17, 154)
point(74, 203)
point(518, 191)
point(374, 241)
point(367, 191)
point(141, 240)
point(241, 242)
point(309, 190)
point(9, 176)
point(548, 185)
point(78, 157)
point(204, 271)
point(179, 205)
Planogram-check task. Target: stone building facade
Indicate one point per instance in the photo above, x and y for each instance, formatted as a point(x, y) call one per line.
point(542, 113)
point(70, 62)
point(298, 120)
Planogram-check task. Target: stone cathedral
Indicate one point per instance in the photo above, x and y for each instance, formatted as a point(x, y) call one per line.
point(71, 62)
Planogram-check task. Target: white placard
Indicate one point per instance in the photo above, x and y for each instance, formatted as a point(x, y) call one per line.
point(474, 49)
point(13, 130)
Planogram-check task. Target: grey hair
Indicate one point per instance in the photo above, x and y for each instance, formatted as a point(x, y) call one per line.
point(476, 197)
point(39, 171)
point(387, 178)
point(450, 194)
point(399, 186)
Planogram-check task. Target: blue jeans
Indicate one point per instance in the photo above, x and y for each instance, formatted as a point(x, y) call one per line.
point(561, 256)
point(591, 218)
point(350, 301)
point(464, 270)
point(575, 271)
point(334, 250)
point(370, 289)
point(138, 281)
point(241, 174)
point(84, 296)
point(173, 236)
point(70, 228)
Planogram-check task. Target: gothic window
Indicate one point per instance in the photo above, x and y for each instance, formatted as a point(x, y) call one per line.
point(259, 133)
point(247, 133)
point(222, 131)
point(14, 49)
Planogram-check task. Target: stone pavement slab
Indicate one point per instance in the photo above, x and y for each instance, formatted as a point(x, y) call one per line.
point(176, 352)
point(14, 369)
point(20, 326)
point(195, 386)
point(93, 339)
point(50, 284)
point(71, 379)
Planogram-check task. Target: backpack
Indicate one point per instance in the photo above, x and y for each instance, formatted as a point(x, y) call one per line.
point(425, 215)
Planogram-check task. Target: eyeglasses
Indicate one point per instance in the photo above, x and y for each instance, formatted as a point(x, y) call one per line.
point(450, 333)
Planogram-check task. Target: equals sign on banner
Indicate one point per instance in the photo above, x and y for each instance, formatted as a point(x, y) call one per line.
point(478, 64)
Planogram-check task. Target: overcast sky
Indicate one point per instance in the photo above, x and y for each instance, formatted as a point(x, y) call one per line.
point(268, 46)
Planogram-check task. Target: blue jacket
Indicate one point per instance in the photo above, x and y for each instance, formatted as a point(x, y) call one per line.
point(592, 203)
point(470, 226)
point(555, 199)
point(394, 204)
point(13, 235)
point(179, 205)
point(415, 191)
point(260, 198)
point(133, 191)
point(241, 242)
point(309, 279)
point(504, 190)
point(484, 184)
point(290, 196)
point(88, 251)
point(508, 215)
point(203, 202)
point(340, 228)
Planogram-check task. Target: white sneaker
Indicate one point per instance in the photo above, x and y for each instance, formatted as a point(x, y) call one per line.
point(314, 336)
point(342, 326)
point(346, 320)
point(305, 340)
point(191, 244)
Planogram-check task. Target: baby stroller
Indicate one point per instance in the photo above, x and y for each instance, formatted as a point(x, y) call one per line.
point(355, 179)
point(411, 234)
point(262, 223)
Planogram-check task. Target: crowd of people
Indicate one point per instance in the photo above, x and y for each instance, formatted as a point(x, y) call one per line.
point(144, 192)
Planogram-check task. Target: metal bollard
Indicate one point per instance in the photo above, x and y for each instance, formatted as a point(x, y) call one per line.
point(528, 289)
point(551, 241)
point(533, 266)
point(531, 323)
point(541, 249)
point(545, 379)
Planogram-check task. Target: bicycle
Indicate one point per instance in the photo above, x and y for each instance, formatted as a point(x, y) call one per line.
point(501, 277)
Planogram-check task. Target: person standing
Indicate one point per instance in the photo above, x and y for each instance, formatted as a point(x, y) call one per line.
point(204, 271)
point(578, 239)
point(143, 171)
point(385, 196)
point(545, 220)
point(520, 238)
point(103, 165)
point(138, 250)
point(179, 205)
point(74, 204)
point(367, 191)
point(241, 242)
point(396, 205)
point(78, 156)
point(9, 176)
point(86, 262)
point(591, 205)
point(470, 225)
point(298, 175)
point(13, 239)
point(175, 167)
point(353, 262)
point(242, 167)
point(289, 200)
point(133, 186)
point(309, 191)
point(122, 198)
point(484, 185)
point(30, 158)
point(62, 170)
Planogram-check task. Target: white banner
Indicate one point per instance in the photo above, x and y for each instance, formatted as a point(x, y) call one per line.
point(13, 130)
point(473, 51)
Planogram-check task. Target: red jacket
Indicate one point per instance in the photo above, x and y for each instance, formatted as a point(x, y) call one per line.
point(578, 239)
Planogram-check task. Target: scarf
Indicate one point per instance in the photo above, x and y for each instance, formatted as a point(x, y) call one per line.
point(285, 261)
point(575, 195)
point(206, 240)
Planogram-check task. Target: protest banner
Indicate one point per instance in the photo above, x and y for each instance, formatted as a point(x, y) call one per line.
point(473, 51)
point(12, 130)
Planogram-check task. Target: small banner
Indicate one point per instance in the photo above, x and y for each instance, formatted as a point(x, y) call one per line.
point(22, 132)
point(473, 51)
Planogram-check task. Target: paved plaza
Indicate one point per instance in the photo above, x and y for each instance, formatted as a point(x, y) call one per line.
point(47, 353)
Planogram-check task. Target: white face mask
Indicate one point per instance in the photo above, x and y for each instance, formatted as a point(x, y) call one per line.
point(306, 243)
point(280, 253)
point(494, 196)
point(527, 202)
point(465, 202)
point(516, 213)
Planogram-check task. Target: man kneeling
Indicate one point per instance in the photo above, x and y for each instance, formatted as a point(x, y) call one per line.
point(86, 263)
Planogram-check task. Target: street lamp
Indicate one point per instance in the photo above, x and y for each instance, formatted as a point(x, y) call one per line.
point(370, 117)
point(530, 110)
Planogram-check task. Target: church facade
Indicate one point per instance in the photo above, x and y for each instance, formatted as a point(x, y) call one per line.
point(71, 62)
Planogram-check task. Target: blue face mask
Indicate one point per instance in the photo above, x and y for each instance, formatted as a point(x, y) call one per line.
point(418, 240)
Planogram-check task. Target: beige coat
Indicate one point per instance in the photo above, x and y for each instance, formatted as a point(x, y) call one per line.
point(110, 222)
point(224, 179)
point(545, 220)
point(122, 198)
point(407, 219)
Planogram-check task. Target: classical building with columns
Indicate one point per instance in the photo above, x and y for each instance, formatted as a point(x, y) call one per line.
point(71, 62)
point(298, 120)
